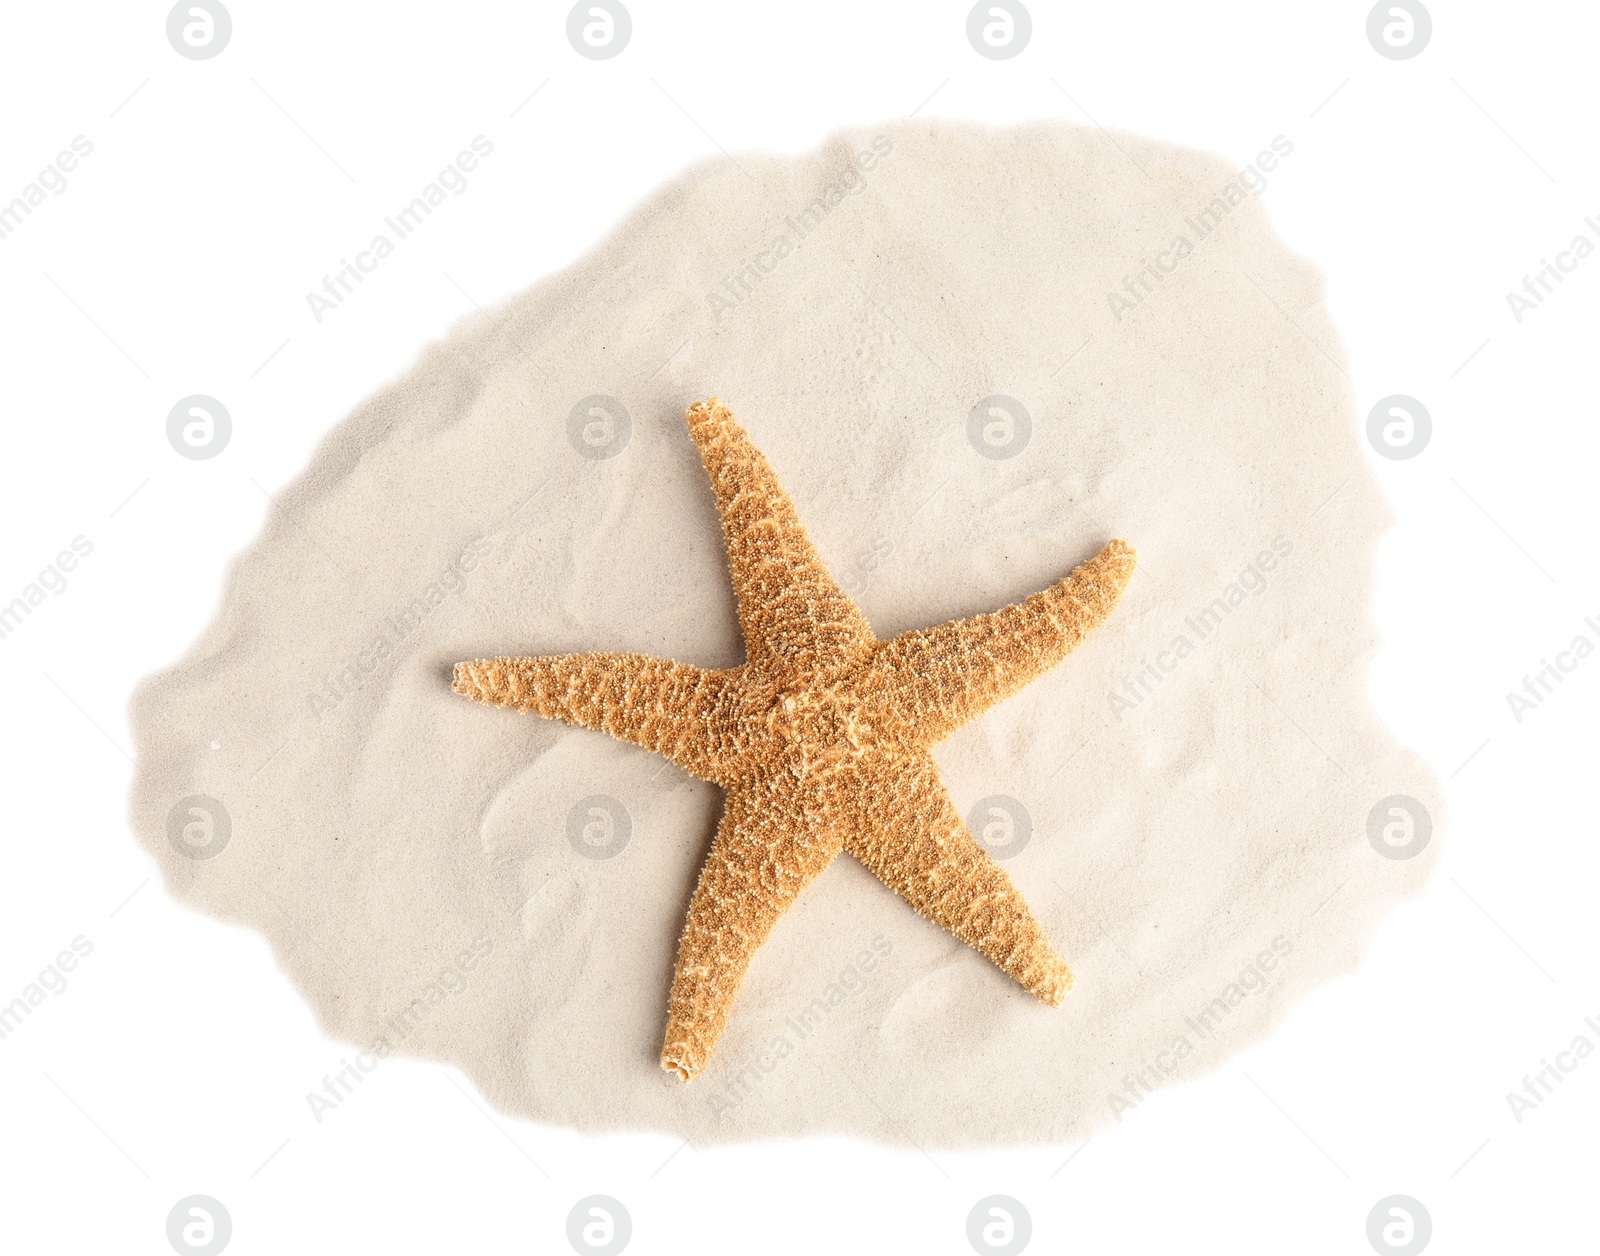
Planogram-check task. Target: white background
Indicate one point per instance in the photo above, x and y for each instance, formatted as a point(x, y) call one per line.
point(177, 261)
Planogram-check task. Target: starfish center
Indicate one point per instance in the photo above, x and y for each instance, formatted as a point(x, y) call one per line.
point(820, 730)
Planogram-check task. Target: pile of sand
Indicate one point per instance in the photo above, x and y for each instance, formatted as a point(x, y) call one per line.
point(972, 356)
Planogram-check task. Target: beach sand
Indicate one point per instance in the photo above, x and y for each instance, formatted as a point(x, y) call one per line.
point(972, 356)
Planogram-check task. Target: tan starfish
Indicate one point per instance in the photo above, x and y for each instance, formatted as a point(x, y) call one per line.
point(820, 740)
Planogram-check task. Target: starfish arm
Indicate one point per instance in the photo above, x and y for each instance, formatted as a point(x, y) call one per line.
point(937, 679)
point(907, 833)
point(671, 708)
point(797, 622)
point(765, 852)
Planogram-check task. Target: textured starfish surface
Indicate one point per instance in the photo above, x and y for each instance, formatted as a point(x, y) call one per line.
point(819, 739)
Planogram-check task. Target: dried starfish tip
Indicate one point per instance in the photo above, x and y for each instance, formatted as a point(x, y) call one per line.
point(670, 708)
point(1098, 583)
point(796, 621)
point(1050, 981)
point(937, 679)
point(767, 849)
point(711, 410)
point(476, 680)
point(907, 832)
point(510, 682)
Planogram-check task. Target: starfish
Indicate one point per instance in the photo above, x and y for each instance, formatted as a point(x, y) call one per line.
point(820, 740)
